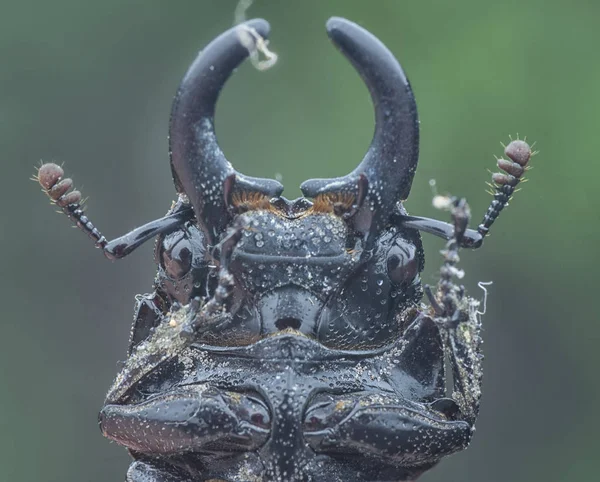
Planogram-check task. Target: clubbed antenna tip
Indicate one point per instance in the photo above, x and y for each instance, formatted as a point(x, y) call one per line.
point(58, 189)
point(504, 183)
point(519, 154)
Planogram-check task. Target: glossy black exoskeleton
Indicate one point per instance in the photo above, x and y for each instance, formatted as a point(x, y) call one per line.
point(285, 340)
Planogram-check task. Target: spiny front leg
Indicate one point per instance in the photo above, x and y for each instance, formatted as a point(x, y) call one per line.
point(457, 318)
point(179, 329)
point(148, 313)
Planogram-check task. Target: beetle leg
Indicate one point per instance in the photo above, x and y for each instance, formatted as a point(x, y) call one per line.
point(463, 346)
point(166, 342)
point(147, 315)
point(141, 471)
point(457, 318)
point(180, 329)
point(193, 419)
point(225, 286)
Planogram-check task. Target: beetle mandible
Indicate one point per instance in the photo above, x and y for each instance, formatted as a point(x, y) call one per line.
point(284, 339)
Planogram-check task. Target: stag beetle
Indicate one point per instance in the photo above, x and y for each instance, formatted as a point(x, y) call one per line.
point(285, 339)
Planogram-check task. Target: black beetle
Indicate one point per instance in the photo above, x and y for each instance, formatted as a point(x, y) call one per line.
point(285, 340)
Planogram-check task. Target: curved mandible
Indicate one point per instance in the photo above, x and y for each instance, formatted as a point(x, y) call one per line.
point(391, 160)
point(198, 164)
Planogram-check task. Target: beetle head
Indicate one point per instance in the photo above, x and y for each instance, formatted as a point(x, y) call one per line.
point(332, 267)
point(378, 183)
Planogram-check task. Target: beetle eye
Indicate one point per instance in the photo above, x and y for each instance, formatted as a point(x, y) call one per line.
point(402, 263)
point(176, 257)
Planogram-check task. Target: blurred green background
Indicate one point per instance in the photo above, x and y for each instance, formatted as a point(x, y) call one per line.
point(90, 84)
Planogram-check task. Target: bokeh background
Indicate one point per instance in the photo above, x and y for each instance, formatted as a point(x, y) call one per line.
point(90, 83)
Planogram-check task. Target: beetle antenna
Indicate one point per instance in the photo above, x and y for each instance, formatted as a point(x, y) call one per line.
point(504, 186)
point(505, 183)
point(58, 189)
